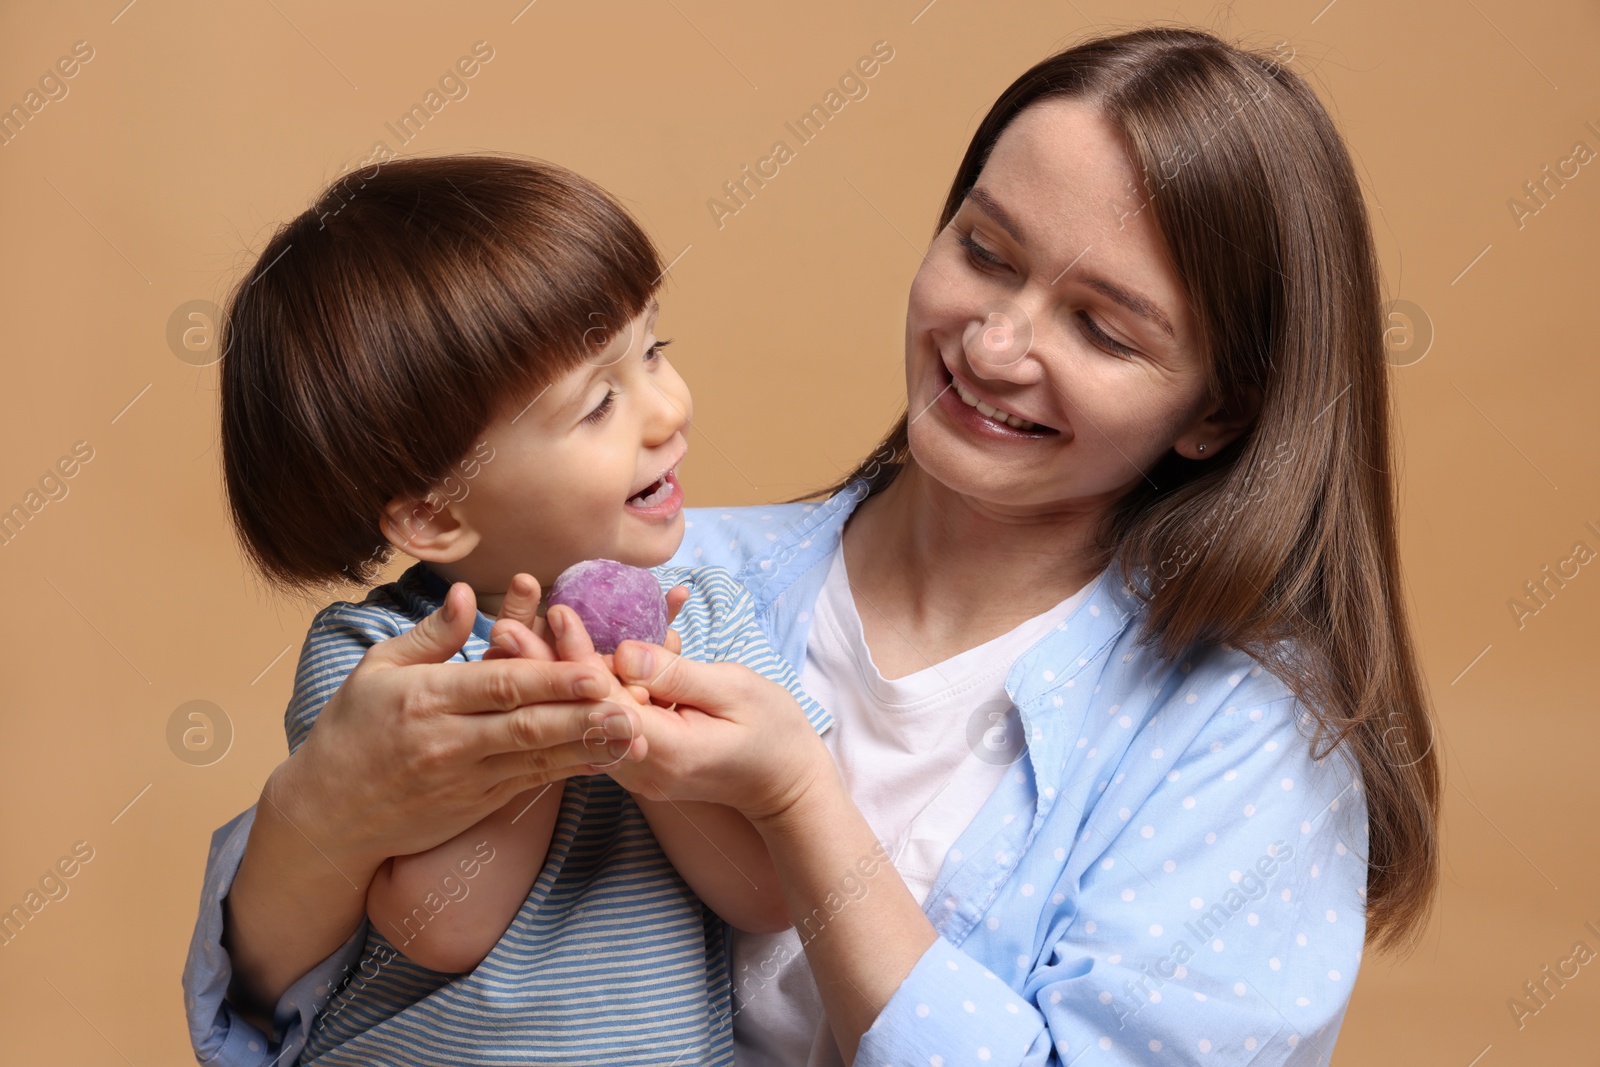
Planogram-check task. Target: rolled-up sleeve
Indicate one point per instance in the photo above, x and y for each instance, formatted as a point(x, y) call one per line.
point(952, 1010)
point(1217, 920)
point(220, 1036)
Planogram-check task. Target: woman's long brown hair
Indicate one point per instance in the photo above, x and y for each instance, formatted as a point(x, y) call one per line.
point(1284, 544)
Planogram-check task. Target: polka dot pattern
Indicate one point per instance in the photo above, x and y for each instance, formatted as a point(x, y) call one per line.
point(1239, 813)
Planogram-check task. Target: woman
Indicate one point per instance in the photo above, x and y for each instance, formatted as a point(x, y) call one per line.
point(1111, 626)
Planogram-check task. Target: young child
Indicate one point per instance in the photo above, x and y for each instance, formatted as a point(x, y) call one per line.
point(457, 358)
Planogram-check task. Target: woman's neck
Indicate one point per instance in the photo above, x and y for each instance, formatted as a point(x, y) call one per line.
point(935, 573)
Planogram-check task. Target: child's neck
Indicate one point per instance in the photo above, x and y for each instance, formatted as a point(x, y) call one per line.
point(489, 603)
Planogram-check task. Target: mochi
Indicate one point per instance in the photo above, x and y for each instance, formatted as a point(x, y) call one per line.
point(616, 602)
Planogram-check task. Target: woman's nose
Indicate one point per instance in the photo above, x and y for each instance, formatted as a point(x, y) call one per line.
point(998, 340)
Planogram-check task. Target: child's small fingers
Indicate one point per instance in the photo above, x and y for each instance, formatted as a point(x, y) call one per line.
point(639, 693)
point(676, 597)
point(673, 643)
point(522, 600)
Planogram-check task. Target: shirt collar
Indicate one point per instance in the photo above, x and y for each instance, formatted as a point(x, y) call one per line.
point(428, 589)
point(1053, 684)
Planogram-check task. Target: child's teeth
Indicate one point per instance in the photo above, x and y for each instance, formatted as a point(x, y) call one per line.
point(656, 496)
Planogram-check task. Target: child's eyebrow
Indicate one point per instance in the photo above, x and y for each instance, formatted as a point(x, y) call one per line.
point(652, 311)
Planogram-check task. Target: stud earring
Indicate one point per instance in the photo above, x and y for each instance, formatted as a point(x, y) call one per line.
point(1200, 448)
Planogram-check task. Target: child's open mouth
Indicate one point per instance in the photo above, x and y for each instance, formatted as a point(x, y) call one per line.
point(662, 498)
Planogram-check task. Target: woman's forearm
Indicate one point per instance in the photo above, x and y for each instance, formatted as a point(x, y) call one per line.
point(860, 942)
point(292, 903)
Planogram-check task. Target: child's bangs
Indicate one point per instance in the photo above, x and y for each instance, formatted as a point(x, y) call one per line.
point(381, 330)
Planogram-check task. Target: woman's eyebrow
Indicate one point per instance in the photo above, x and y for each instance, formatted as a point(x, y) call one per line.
point(986, 203)
point(1137, 303)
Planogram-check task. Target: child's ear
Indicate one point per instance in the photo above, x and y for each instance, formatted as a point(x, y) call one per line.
point(430, 528)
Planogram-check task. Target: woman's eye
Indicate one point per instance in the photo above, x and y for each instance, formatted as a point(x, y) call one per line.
point(978, 255)
point(1101, 338)
point(602, 408)
point(654, 351)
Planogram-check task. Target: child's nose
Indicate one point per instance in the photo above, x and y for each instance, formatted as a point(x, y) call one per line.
point(669, 414)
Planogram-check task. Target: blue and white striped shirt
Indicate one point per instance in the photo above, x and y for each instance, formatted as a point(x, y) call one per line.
point(611, 958)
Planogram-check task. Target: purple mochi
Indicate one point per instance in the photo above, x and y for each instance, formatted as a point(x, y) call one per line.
point(616, 602)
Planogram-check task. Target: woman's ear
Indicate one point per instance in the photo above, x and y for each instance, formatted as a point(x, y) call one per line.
point(431, 528)
point(1220, 424)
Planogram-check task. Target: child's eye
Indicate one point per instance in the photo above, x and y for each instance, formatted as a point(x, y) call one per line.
point(602, 408)
point(1101, 338)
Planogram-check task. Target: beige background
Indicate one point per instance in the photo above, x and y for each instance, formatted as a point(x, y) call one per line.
point(197, 126)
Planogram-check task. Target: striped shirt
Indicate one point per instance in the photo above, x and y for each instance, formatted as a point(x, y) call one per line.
point(611, 958)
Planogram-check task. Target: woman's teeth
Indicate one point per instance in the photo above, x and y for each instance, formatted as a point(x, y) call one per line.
point(653, 494)
point(994, 413)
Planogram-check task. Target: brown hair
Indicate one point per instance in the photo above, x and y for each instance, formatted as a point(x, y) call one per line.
point(1253, 189)
point(381, 328)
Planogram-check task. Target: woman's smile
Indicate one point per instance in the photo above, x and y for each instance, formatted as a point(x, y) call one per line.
point(971, 412)
point(992, 412)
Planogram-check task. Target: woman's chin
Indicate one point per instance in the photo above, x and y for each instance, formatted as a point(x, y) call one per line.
point(953, 465)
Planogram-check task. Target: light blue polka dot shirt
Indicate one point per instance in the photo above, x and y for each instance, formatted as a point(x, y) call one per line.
point(1167, 875)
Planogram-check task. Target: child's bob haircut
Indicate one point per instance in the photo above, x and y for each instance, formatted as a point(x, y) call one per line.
point(381, 330)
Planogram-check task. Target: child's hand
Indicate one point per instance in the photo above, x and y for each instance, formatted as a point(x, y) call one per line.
point(519, 631)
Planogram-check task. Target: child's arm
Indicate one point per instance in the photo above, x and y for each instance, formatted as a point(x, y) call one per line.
point(723, 859)
point(447, 907)
point(714, 848)
point(453, 936)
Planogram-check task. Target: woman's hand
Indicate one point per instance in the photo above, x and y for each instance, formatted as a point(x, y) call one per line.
point(412, 750)
point(408, 753)
point(733, 737)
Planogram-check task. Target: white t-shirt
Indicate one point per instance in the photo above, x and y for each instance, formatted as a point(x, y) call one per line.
point(919, 756)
